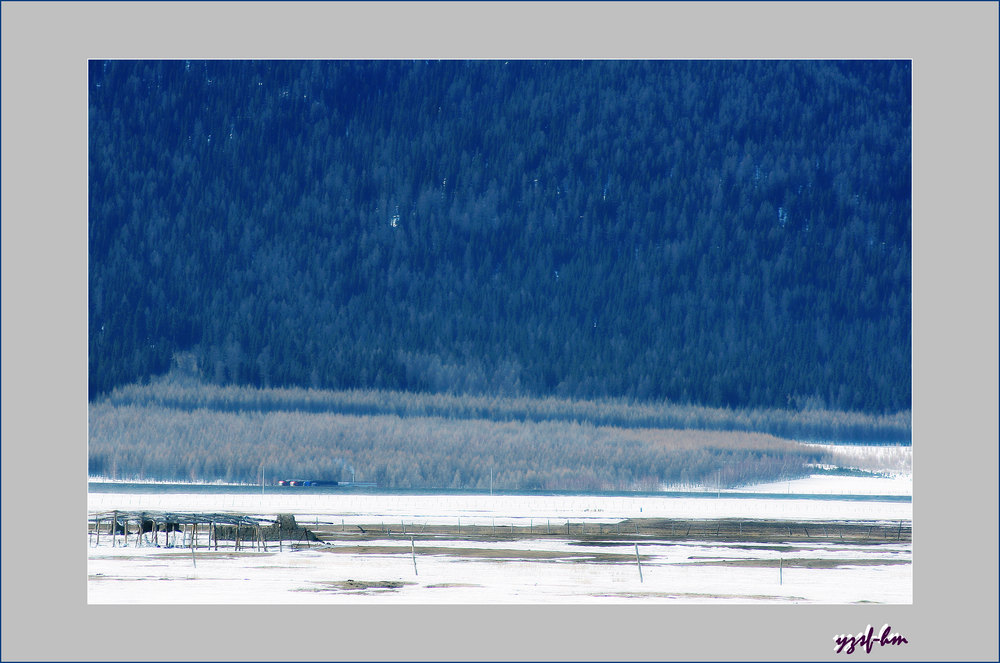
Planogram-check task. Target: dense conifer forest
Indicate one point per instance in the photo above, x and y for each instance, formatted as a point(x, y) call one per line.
point(724, 234)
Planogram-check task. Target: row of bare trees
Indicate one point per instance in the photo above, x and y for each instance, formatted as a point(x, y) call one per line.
point(804, 420)
point(164, 443)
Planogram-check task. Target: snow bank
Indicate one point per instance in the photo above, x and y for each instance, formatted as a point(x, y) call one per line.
point(503, 509)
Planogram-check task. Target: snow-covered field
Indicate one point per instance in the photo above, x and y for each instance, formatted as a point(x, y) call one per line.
point(505, 509)
point(670, 573)
point(543, 570)
point(824, 484)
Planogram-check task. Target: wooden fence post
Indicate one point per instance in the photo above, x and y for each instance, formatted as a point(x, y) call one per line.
point(637, 562)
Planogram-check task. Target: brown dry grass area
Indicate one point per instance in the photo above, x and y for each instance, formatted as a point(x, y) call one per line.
point(675, 439)
point(642, 530)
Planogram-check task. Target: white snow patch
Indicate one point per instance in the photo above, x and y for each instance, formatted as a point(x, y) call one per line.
point(826, 484)
point(483, 510)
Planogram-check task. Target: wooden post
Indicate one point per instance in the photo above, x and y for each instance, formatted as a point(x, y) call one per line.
point(98, 532)
point(780, 564)
point(114, 527)
point(547, 524)
point(236, 541)
point(637, 562)
point(413, 552)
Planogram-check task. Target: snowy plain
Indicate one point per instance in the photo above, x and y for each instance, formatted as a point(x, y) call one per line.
point(525, 571)
point(151, 575)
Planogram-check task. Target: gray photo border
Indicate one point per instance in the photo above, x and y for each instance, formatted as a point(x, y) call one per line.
point(953, 47)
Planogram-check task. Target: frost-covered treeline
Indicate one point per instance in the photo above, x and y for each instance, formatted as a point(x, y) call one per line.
point(177, 390)
point(206, 442)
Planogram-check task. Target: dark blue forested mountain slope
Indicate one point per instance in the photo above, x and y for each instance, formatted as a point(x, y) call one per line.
point(722, 233)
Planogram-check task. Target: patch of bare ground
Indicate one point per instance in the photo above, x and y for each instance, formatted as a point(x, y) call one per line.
point(356, 586)
point(626, 532)
point(449, 585)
